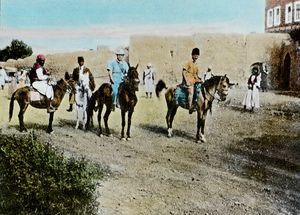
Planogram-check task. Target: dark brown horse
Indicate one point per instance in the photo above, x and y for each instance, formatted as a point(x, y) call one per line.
point(103, 96)
point(127, 98)
point(217, 84)
point(22, 95)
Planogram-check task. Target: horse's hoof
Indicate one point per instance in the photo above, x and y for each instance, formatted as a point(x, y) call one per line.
point(100, 135)
point(50, 132)
point(128, 138)
point(109, 135)
point(123, 139)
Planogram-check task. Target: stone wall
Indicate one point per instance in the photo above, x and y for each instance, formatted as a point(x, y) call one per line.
point(230, 54)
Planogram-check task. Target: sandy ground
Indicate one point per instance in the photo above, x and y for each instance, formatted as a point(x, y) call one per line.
point(249, 164)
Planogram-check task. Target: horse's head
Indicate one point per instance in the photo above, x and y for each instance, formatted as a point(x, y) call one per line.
point(133, 76)
point(223, 86)
point(70, 83)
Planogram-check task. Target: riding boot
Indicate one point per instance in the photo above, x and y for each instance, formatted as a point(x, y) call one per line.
point(70, 108)
point(113, 107)
point(50, 109)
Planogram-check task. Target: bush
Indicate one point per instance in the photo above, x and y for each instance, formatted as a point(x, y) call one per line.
point(36, 179)
point(17, 49)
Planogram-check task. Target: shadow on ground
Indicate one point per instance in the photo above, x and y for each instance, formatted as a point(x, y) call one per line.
point(272, 160)
point(163, 131)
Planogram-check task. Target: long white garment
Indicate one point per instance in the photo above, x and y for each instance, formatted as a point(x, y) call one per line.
point(149, 80)
point(85, 80)
point(42, 84)
point(251, 98)
point(3, 76)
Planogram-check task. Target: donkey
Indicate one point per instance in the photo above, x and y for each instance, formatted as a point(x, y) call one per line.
point(127, 98)
point(103, 96)
point(22, 95)
point(216, 84)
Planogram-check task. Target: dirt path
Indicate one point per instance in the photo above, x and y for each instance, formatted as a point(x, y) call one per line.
point(249, 165)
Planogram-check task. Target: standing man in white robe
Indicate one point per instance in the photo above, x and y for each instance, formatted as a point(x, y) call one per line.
point(3, 77)
point(148, 80)
point(251, 99)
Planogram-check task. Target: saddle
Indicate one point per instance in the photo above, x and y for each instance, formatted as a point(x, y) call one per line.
point(35, 95)
point(181, 94)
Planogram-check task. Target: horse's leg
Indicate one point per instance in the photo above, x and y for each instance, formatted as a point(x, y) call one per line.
point(77, 117)
point(123, 124)
point(99, 119)
point(200, 125)
point(84, 120)
point(50, 130)
point(171, 114)
point(130, 112)
point(203, 125)
point(106, 115)
point(23, 107)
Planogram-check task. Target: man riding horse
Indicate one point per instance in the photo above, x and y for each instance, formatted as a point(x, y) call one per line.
point(191, 76)
point(39, 78)
point(117, 69)
point(82, 74)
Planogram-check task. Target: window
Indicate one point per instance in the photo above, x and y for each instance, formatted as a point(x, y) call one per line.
point(270, 18)
point(288, 13)
point(277, 15)
point(297, 11)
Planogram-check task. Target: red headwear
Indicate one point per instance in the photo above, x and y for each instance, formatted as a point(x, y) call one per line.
point(40, 57)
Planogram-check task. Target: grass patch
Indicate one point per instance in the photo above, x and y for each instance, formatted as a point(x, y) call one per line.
point(36, 179)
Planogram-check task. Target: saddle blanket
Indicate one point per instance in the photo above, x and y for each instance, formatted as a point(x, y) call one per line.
point(181, 94)
point(35, 95)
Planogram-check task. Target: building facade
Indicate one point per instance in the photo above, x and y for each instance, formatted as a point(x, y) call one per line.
point(283, 16)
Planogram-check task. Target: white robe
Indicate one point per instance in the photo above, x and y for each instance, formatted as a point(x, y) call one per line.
point(3, 76)
point(149, 80)
point(42, 85)
point(251, 99)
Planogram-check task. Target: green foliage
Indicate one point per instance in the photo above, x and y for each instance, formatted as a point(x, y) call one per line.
point(17, 49)
point(36, 179)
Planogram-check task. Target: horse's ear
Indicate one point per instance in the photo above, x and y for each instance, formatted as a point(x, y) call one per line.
point(67, 76)
point(137, 66)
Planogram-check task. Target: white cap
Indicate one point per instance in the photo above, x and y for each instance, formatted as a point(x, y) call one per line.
point(149, 65)
point(120, 52)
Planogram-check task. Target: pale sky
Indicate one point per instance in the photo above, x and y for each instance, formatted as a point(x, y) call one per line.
point(85, 24)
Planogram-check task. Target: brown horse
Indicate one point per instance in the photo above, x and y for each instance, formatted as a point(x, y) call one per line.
point(103, 96)
point(127, 98)
point(217, 84)
point(22, 95)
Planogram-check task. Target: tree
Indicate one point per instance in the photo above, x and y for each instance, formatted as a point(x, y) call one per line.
point(17, 49)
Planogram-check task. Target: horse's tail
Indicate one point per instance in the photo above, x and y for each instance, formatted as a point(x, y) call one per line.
point(159, 87)
point(92, 103)
point(11, 105)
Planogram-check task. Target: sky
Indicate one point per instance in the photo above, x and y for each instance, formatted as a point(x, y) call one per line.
point(86, 24)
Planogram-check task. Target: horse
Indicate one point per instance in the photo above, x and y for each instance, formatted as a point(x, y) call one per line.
point(81, 102)
point(103, 96)
point(23, 97)
point(216, 84)
point(127, 98)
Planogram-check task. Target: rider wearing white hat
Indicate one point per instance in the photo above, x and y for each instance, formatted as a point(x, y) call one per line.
point(117, 69)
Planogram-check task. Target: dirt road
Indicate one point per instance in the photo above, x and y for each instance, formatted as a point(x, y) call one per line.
point(249, 164)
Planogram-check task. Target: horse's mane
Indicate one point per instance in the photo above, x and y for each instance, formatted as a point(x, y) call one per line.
point(59, 84)
point(214, 81)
